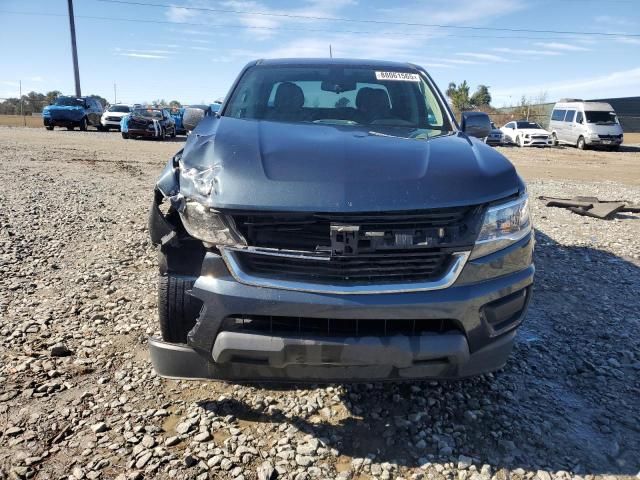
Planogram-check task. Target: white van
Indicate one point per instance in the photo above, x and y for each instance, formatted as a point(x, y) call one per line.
point(585, 124)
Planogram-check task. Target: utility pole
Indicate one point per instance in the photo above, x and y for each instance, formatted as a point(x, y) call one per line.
point(330, 52)
point(115, 95)
point(74, 50)
point(24, 120)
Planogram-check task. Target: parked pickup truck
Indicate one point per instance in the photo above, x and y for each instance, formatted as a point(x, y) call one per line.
point(334, 222)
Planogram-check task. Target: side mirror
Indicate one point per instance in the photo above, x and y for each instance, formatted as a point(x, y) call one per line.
point(192, 117)
point(476, 124)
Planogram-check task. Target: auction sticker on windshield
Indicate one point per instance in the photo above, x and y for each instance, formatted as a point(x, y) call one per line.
point(401, 76)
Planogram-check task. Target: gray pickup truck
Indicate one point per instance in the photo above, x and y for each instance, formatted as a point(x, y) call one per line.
point(333, 222)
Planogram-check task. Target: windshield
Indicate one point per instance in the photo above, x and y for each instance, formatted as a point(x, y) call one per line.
point(119, 108)
point(528, 125)
point(347, 96)
point(601, 118)
point(69, 102)
point(156, 114)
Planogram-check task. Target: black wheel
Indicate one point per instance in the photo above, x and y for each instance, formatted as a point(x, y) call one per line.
point(83, 125)
point(173, 134)
point(70, 128)
point(163, 134)
point(614, 148)
point(519, 141)
point(125, 135)
point(49, 127)
point(554, 140)
point(177, 309)
point(101, 128)
point(581, 144)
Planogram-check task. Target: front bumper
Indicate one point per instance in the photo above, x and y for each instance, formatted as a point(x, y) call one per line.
point(142, 132)
point(537, 142)
point(487, 302)
point(110, 123)
point(605, 142)
point(60, 122)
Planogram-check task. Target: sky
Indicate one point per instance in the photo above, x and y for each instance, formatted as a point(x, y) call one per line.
point(193, 55)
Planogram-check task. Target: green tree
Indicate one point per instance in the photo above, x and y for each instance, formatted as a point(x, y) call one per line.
point(481, 96)
point(459, 96)
point(52, 95)
point(103, 101)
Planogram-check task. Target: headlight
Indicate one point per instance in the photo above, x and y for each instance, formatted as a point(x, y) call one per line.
point(503, 225)
point(208, 225)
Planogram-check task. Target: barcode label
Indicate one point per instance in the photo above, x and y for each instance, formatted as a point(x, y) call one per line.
point(399, 76)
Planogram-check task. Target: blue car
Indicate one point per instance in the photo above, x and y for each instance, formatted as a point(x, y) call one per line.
point(72, 112)
point(176, 114)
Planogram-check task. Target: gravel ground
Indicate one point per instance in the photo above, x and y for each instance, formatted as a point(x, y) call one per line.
point(79, 399)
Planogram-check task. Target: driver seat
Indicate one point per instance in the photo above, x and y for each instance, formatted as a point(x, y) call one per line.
point(287, 103)
point(372, 104)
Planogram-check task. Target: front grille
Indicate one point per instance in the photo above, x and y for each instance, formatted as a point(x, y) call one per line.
point(362, 269)
point(139, 124)
point(609, 137)
point(539, 137)
point(312, 231)
point(113, 119)
point(355, 248)
point(336, 327)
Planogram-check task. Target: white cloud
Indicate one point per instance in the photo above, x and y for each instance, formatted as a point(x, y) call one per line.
point(144, 51)
point(628, 40)
point(524, 51)
point(180, 15)
point(142, 55)
point(619, 83)
point(617, 21)
point(569, 47)
point(489, 57)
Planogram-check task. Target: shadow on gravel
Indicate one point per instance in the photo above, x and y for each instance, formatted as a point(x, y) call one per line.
point(568, 399)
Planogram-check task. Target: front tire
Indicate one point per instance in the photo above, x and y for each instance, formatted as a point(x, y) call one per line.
point(582, 145)
point(70, 128)
point(163, 135)
point(554, 140)
point(125, 135)
point(178, 311)
point(49, 127)
point(519, 141)
point(83, 125)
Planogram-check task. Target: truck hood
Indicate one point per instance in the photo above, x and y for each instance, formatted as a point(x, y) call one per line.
point(263, 165)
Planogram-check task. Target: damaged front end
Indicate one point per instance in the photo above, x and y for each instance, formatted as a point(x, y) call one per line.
point(307, 296)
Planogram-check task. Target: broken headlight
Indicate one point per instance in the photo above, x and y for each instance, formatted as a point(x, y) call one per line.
point(209, 225)
point(503, 225)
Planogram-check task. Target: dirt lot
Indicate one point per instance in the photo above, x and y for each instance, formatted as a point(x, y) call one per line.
point(19, 121)
point(79, 399)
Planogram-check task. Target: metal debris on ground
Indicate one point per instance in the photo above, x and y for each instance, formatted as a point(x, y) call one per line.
point(592, 207)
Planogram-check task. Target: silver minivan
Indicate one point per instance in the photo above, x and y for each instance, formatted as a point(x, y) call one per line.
point(585, 124)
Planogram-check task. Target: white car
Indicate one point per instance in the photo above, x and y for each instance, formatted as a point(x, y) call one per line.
point(113, 114)
point(526, 134)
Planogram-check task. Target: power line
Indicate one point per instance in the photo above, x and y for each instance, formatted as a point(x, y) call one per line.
point(287, 29)
point(377, 22)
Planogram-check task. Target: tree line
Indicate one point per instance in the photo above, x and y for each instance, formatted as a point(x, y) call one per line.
point(34, 102)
